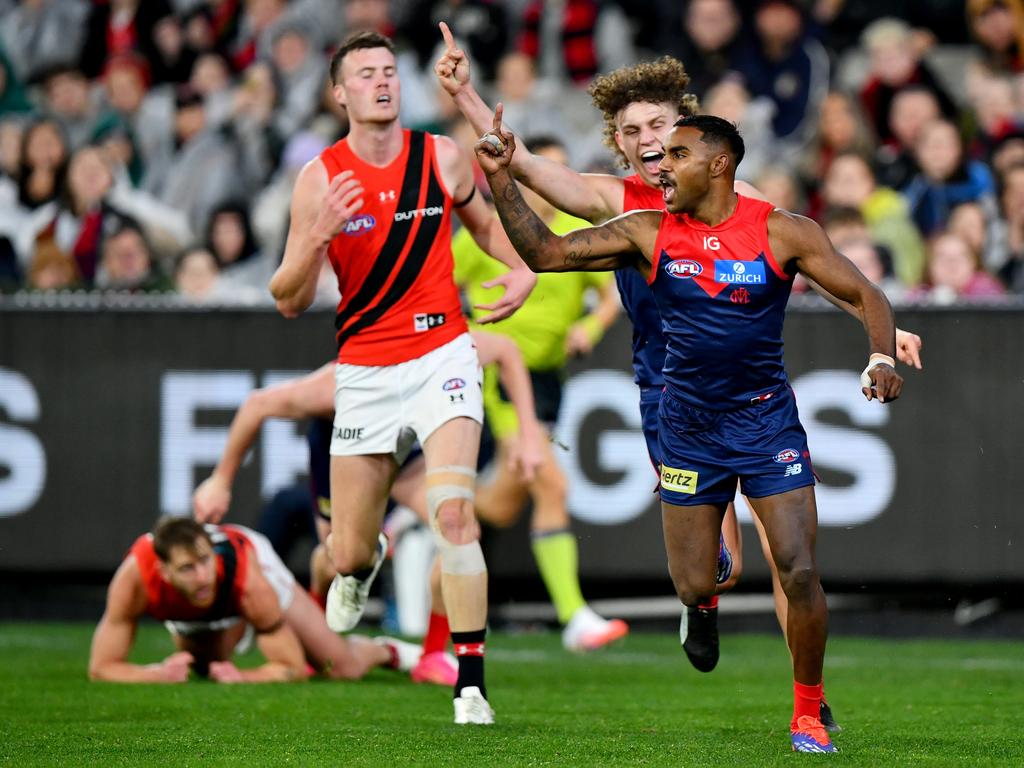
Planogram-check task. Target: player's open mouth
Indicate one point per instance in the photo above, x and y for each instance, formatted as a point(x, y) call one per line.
point(384, 99)
point(650, 160)
point(668, 189)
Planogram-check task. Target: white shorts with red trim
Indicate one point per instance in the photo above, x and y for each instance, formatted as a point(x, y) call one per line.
point(386, 409)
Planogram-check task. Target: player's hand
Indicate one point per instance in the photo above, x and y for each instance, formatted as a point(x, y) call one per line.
point(343, 199)
point(517, 284)
point(452, 69)
point(908, 348)
point(578, 341)
point(494, 149)
point(526, 454)
point(211, 500)
point(225, 672)
point(886, 384)
point(174, 669)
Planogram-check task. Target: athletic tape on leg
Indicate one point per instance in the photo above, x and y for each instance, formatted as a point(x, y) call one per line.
point(443, 484)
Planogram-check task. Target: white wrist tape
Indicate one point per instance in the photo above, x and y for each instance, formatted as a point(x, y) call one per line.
point(876, 358)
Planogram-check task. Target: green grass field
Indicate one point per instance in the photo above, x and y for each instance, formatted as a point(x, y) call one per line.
point(901, 703)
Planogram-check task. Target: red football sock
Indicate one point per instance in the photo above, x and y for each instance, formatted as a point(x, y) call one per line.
point(806, 701)
point(436, 638)
point(712, 603)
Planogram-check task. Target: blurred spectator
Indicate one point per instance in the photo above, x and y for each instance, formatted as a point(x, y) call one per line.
point(257, 119)
point(851, 182)
point(997, 115)
point(13, 97)
point(147, 115)
point(779, 187)
point(711, 30)
point(195, 275)
point(895, 60)
point(67, 99)
point(245, 270)
point(573, 40)
point(913, 107)
point(843, 224)
point(204, 169)
point(969, 221)
point(998, 28)
point(211, 78)
point(174, 58)
point(127, 263)
point(840, 127)
point(845, 20)
point(946, 178)
point(729, 99)
point(531, 106)
point(51, 269)
point(867, 258)
point(1007, 253)
point(256, 25)
point(480, 27)
point(955, 274)
point(122, 26)
point(788, 65)
point(11, 130)
point(1008, 151)
point(37, 34)
point(302, 70)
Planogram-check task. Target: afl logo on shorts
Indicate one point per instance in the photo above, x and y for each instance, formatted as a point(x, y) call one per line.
point(683, 268)
point(453, 384)
point(786, 456)
point(364, 222)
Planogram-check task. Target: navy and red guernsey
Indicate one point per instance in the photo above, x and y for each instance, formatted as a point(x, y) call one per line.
point(637, 298)
point(393, 259)
point(722, 298)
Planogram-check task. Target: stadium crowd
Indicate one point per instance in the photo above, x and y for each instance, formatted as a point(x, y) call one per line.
point(152, 146)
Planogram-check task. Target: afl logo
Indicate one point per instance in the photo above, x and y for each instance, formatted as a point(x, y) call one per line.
point(683, 268)
point(453, 384)
point(786, 456)
point(364, 222)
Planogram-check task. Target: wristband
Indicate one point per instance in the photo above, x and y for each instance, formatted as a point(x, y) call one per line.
point(876, 358)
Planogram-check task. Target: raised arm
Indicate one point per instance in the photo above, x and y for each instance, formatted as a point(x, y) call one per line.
point(115, 634)
point(319, 212)
point(485, 230)
point(801, 240)
point(515, 378)
point(625, 241)
point(285, 660)
point(595, 197)
point(306, 397)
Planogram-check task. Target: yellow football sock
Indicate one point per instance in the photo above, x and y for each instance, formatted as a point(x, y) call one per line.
point(558, 561)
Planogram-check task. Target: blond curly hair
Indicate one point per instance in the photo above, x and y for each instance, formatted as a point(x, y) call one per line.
point(655, 82)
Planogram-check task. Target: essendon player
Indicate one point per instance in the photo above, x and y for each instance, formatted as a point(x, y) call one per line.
point(378, 205)
point(728, 412)
point(207, 584)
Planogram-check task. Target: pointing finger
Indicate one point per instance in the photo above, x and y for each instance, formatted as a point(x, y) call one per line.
point(497, 118)
point(446, 33)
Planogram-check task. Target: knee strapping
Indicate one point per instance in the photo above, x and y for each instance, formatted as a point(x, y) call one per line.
point(444, 484)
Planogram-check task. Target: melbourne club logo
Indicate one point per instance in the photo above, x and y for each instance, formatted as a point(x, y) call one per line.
point(740, 296)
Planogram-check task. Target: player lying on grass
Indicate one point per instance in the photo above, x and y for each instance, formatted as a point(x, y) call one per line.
point(208, 584)
point(312, 397)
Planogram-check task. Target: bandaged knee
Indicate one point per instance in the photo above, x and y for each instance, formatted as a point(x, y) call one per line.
point(445, 484)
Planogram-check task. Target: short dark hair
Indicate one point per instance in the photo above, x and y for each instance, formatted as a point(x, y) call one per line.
point(357, 41)
point(544, 141)
point(715, 130)
point(842, 216)
point(171, 532)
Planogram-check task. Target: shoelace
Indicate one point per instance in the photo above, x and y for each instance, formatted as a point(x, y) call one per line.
point(812, 727)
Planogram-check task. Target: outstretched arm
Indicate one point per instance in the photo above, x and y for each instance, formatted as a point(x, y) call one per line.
point(305, 397)
point(115, 634)
point(801, 240)
point(624, 241)
point(595, 197)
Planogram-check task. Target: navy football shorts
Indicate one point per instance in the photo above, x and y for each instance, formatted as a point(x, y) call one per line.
point(704, 452)
point(650, 400)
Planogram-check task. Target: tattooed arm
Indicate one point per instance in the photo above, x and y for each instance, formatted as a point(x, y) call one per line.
point(625, 241)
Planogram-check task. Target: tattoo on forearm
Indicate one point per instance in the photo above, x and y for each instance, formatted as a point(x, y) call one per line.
point(524, 228)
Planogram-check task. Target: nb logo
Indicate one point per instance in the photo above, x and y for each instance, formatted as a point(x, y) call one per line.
point(711, 242)
point(793, 469)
